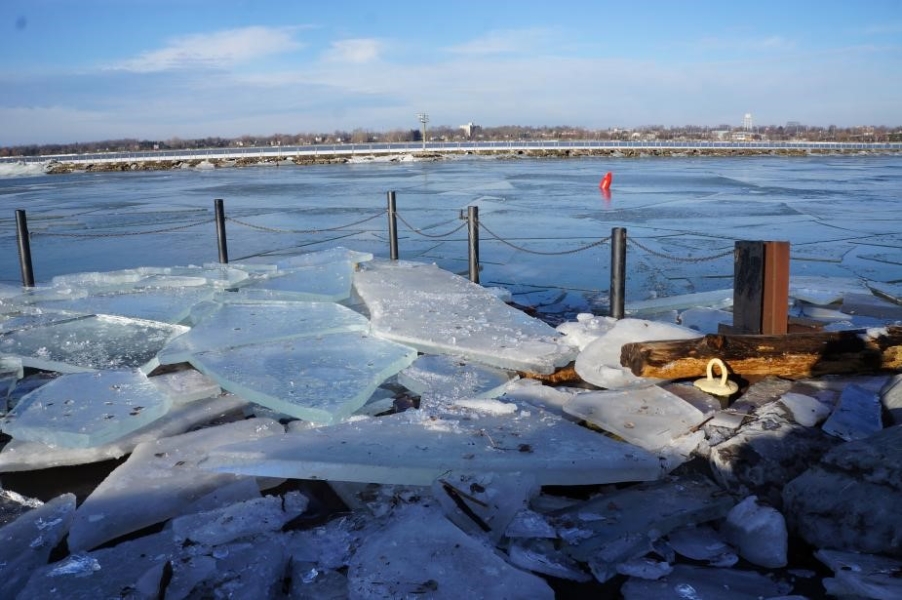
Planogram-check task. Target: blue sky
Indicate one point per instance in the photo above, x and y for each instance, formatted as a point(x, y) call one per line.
point(87, 70)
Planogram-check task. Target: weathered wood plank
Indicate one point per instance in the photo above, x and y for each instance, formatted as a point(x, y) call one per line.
point(791, 356)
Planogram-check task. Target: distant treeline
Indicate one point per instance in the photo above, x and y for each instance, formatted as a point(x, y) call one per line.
point(867, 134)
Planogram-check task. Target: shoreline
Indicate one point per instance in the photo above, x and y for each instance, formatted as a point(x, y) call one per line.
point(54, 167)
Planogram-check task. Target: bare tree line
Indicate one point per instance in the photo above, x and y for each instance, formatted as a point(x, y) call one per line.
point(799, 132)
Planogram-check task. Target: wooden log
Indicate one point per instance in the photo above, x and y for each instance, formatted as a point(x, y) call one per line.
point(791, 356)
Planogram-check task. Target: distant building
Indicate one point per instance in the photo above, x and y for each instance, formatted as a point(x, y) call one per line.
point(747, 122)
point(470, 130)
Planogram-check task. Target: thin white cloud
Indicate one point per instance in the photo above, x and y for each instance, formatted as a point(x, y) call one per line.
point(509, 41)
point(217, 50)
point(356, 51)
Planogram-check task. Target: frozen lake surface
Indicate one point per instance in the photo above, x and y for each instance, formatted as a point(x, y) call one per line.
point(840, 214)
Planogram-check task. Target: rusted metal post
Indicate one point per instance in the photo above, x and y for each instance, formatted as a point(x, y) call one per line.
point(221, 231)
point(392, 227)
point(618, 272)
point(760, 287)
point(473, 235)
point(24, 249)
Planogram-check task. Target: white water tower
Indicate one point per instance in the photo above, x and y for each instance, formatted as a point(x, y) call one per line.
point(747, 122)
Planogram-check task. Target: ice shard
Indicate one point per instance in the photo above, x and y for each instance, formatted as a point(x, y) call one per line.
point(687, 582)
point(89, 343)
point(438, 312)
point(453, 378)
point(232, 324)
point(322, 378)
point(20, 455)
point(157, 481)
point(167, 305)
point(82, 410)
point(393, 563)
point(856, 416)
point(649, 417)
point(26, 543)
point(416, 447)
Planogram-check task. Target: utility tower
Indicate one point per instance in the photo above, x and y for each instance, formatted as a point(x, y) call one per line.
point(424, 118)
point(747, 122)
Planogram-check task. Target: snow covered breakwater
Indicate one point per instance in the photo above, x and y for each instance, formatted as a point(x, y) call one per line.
point(232, 388)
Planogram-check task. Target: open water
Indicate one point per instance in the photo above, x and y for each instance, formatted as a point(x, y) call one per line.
point(543, 222)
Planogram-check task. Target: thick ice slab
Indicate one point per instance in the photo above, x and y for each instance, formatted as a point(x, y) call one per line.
point(311, 277)
point(856, 416)
point(415, 448)
point(438, 312)
point(323, 378)
point(157, 482)
point(20, 455)
point(452, 378)
point(82, 410)
point(759, 532)
point(690, 582)
point(91, 343)
point(224, 325)
point(167, 304)
point(861, 575)
point(393, 563)
point(26, 543)
point(649, 417)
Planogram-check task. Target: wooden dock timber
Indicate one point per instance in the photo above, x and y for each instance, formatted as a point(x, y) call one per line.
point(792, 356)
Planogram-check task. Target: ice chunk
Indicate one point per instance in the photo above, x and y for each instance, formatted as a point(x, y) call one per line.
point(106, 573)
point(10, 373)
point(687, 582)
point(541, 556)
point(856, 416)
point(891, 397)
point(89, 343)
point(621, 525)
point(390, 563)
point(26, 543)
point(83, 410)
point(713, 299)
point(453, 378)
point(185, 385)
point(438, 312)
point(322, 379)
point(705, 320)
point(824, 290)
point(862, 575)
point(323, 257)
point(156, 482)
point(326, 280)
point(806, 410)
point(759, 532)
point(648, 417)
point(244, 519)
point(645, 568)
point(415, 448)
point(703, 543)
point(19, 455)
point(167, 305)
point(484, 503)
point(599, 362)
point(234, 324)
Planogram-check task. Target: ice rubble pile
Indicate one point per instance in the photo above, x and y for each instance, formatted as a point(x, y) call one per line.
point(232, 389)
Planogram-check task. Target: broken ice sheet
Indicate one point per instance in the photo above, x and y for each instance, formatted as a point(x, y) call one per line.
point(862, 575)
point(415, 448)
point(21, 455)
point(453, 378)
point(483, 504)
point(823, 291)
point(323, 275)
point(439, 312)
point(392, 562)
point(233, 324)
point(856, 416)
point(687, 582)
point(649, 417)
point(621, 525)
point(167, 305)
point(82, 410)
point(702, 542)
point(26, 543)
point(321, 379)
point(90, 343)
point(157, 482)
